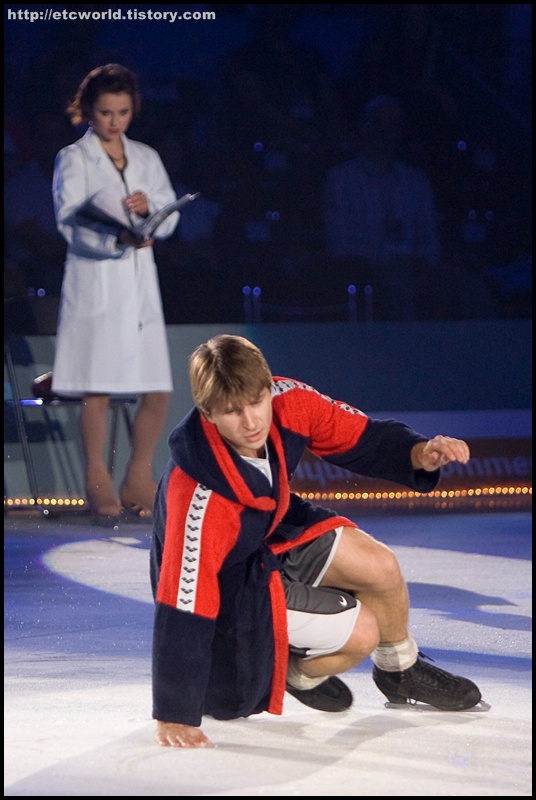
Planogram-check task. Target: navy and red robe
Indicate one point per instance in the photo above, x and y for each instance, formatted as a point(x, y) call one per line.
point(220, 644)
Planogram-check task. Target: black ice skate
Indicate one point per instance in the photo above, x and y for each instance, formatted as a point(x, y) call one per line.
point(330, 695)
point(427, 684)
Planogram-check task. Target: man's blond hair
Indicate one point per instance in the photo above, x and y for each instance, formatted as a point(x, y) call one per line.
point(227, 368)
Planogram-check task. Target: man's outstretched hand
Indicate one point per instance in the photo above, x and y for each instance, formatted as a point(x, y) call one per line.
point(439, 451)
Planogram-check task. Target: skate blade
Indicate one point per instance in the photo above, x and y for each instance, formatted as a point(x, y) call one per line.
point(410, 706)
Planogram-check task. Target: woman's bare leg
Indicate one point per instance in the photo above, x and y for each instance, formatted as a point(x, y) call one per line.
point(138, 487)
point(93, 422)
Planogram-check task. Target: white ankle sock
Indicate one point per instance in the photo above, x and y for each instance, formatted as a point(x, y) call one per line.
point(396, 656)
point(298, 679)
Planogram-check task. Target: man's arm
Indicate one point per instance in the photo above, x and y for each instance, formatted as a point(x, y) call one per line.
point(383, 450)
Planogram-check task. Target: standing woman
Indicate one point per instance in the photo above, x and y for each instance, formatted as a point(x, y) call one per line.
point(111, 336)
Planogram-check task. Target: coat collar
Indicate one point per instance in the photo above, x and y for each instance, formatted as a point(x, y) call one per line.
point(198, 449)
point(93, 147)
point(229, 470)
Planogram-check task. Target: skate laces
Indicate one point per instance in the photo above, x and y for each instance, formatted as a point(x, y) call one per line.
point(423, 655)
point(433, 676)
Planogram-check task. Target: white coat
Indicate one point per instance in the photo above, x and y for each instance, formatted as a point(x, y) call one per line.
point(111, 335)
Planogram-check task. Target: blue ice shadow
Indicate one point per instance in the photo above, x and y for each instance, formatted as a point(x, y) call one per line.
point(464, 605)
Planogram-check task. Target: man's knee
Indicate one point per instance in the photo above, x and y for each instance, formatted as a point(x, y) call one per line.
point(362, 562)
point(388, 573)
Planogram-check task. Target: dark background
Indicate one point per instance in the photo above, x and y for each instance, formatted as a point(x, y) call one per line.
point(252, 109)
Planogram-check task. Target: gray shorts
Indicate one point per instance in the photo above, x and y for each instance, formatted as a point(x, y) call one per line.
point(320, 618)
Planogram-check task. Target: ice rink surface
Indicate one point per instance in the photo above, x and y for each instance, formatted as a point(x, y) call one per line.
point(78, 624)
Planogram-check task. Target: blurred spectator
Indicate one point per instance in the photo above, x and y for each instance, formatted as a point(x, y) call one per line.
point(381, 229)
point(380, 218)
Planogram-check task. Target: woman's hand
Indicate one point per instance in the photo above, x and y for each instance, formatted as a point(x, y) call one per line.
point(128, 239)
point(137, 203)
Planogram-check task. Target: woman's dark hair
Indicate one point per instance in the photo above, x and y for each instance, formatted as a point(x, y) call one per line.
point(111, 78)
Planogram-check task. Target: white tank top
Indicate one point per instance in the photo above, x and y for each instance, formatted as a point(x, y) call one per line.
point(263, 464)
